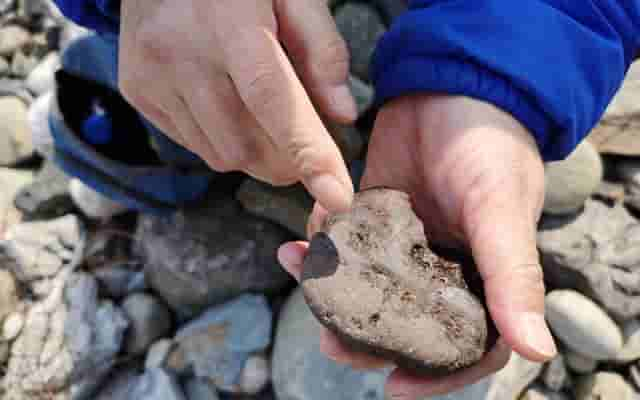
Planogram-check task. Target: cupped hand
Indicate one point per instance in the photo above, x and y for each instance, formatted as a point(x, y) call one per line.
point(215, 77)
point(477, 181)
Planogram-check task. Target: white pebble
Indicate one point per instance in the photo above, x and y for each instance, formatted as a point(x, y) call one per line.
point(12, 326)
point(93, 204)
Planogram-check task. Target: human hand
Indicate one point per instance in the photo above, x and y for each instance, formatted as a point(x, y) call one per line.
point(476, 180)
point(214, 77)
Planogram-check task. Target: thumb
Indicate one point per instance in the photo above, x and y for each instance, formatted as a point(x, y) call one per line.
point(502, 235)
point(319, 55)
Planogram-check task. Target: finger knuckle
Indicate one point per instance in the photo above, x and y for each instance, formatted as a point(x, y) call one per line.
point(334, 59)
point(261, 95)
point(305, 159)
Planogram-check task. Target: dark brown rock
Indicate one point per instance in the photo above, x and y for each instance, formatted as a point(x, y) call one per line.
point(371, 278)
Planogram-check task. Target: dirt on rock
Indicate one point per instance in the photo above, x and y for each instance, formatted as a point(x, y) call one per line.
point(371, 277)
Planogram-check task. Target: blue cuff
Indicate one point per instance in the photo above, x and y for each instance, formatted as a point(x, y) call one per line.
point(102, 16)
point(553, 64)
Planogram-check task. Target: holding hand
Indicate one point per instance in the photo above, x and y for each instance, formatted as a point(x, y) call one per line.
point(214, 77)
point(476, 180)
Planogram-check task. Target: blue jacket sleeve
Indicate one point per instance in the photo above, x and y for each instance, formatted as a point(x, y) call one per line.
point(553, 64)
point(101, 16)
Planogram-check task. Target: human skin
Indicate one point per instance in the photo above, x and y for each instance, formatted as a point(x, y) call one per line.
point(214, 76)
point(476, 180)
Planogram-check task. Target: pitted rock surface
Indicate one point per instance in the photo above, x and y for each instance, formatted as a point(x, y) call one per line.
point(596, 252)
point(371, 278)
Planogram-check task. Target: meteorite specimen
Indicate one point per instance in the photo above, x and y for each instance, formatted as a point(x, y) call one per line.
point(371, 278)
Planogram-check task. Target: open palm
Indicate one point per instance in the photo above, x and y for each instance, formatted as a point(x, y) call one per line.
point(477, 181)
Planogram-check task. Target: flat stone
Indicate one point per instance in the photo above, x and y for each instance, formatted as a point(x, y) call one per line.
point(200, 389)
point(217, 344)
point(149, 321)
point(603, 385)
point(157, 384)
point(47, 196)
point(631, 349)
point(618, 132)
point(361, 26)
point(12, 38)
point(555, 375)
point(159, 353)
point(16, 144)
point(582, 326)
point(579, 363)
point(120, 279)
point(511, 381)
point(302, 372)
point(289, 207)
point(596, 252)
point(569, 183)
point(204, 256)
point(371, 277)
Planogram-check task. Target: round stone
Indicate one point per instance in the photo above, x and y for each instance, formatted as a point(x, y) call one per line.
point(582, 325)
point(569, 183)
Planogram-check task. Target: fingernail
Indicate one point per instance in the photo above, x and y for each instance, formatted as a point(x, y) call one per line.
point(537, 335)
point(343, 102)
point(330, 192)
point(288, 256)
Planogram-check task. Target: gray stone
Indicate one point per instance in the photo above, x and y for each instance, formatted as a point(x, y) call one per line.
point(349, 141)
point(120, 279)
point(69, 342)
point(289, 207)
point(302, 372)
point(255, 375)
point(582, 326)
point(11, 181)
point(631, 349)
point(514, 378)
point(4, 352)
point(15, 88)
point(42, 78)
point(4, 66)
point(200, 389)
point(217, 344)
point(539, 393)
point(47, 196)
point(120, 385)
point(150, 320)
point(569, 183)
point(391, 9)
point(6, 5)
point(629, 171)
point(596, 252)
point(22, 64)
point(8, 294)
point(555, 375)
point(580, 364)
point(362, 93)
point(40, 250)
point(603, 386)
point(618, 131)
point(159, 353)
point(157, 384)
point(203, 256)
point(16, 144)
point(13, 38)
point(361, 26)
